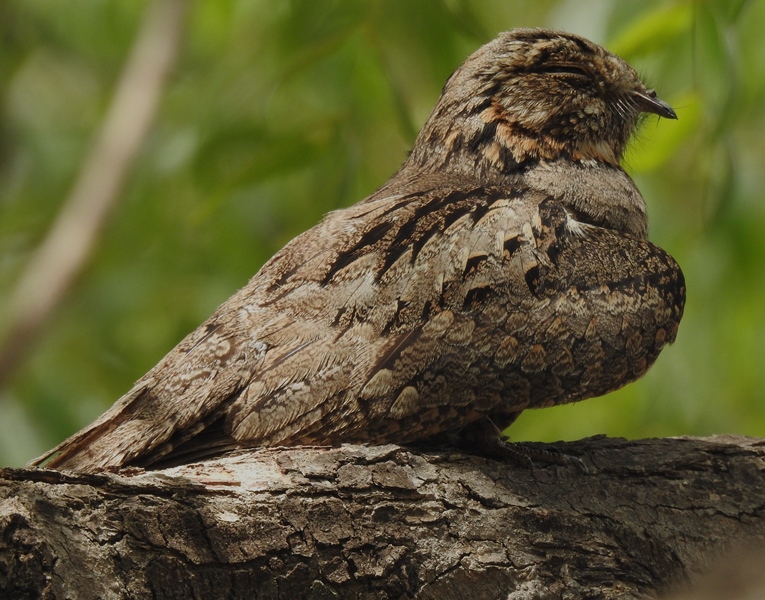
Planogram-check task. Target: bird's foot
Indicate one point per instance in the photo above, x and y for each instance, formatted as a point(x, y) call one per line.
point(484, 437)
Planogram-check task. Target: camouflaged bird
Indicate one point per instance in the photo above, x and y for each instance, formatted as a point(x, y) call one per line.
point(504, 267)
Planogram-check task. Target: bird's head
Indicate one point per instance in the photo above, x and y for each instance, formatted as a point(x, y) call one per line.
point(535, 94)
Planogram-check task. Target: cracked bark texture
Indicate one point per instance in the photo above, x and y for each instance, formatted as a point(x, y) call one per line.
point(386, 522)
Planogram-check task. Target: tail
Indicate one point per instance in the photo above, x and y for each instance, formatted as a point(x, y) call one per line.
point(98, 445)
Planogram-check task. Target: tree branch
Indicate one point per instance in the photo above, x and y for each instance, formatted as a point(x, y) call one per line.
point(385, 522)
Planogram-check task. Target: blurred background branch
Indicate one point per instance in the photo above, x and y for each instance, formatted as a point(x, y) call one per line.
point(74, 235)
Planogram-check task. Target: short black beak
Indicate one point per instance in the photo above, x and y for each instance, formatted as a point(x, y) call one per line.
point(648, 101)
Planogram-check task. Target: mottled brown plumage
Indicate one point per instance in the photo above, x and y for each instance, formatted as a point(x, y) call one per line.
point(504, 267)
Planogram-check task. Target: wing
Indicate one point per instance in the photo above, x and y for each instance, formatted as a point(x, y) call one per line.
point(396, 352)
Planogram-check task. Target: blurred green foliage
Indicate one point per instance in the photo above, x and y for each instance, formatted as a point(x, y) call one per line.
point(281, 111)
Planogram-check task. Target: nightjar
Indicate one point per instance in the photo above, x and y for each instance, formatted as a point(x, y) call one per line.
point(505, 266)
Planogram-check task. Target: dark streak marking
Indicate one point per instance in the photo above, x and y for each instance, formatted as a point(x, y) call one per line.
point(395, 320)
point(532, 279)
point(512, 244)
point(420, 242)
point(402, 202)
point(473, 263)
point(476, 296)
point(339, 316)
point(283, 278)
point(553, 252)
point(452, 217)
point(427, 310)
point(483, 208)
point(394, 350)
point(369, 238)
point(482, 137)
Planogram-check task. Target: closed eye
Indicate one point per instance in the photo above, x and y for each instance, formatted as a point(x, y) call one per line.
point(566, 69)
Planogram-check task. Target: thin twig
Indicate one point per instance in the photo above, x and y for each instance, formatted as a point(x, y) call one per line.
point(64, 253)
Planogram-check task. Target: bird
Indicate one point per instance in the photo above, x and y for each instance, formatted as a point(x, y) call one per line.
point(505, 266)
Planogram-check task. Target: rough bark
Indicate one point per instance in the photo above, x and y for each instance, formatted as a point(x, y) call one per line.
point(386, 522)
